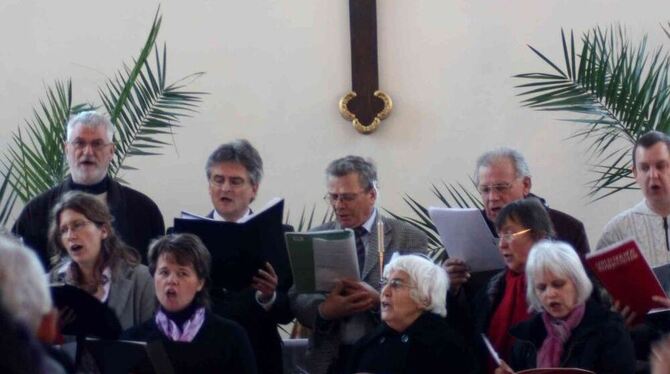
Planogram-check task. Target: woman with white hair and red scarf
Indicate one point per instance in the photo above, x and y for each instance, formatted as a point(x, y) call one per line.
point(413, 336)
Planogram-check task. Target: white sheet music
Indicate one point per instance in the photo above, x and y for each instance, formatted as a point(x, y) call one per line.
point(466, 235)
point(334, 260)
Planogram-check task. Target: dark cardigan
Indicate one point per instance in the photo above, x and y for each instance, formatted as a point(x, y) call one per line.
point(429, 345)
point(221, 346)
point(599, 343)
point(137, 219)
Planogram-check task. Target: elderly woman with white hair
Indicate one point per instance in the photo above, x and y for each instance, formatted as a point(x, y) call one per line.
point(25, 295)
point(414, 336)
point(570, 328)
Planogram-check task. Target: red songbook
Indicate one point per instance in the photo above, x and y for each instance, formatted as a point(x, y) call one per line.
point(627, 276)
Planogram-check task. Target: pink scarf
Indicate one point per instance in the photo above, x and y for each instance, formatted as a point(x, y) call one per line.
point(558, 332)
point(191, 327)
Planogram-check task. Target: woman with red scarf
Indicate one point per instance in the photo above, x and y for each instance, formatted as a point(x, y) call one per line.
point(501, 303)
point(569, 331)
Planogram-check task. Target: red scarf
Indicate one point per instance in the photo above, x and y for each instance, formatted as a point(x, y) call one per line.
point(511, 310)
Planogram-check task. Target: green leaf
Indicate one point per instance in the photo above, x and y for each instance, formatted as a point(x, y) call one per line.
point(142, 105)
point(619, 90)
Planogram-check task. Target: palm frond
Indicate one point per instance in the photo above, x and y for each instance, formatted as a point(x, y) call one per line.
point(306, 220)
point(617, 89)
point(140, 103)
point(34, 158)
point(8, 197)
point(143, 106)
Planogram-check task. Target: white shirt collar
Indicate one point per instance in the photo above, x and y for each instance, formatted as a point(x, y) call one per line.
point(371, 221)
point(217, 217)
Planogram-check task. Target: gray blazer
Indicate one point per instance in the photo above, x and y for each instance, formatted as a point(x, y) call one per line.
point(131, 293)
point(328, 335)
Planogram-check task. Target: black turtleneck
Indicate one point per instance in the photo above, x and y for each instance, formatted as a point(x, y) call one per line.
point(95, 189)
point(180, 317)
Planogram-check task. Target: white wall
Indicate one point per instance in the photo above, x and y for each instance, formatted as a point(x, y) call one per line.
point(276, 69)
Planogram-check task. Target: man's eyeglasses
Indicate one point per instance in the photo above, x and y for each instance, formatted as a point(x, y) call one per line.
point(73, 227)
point(96, 145)
point(343, 197)
point(509, 236)
point(394, 283)
point(220, 181)
point(498, 188)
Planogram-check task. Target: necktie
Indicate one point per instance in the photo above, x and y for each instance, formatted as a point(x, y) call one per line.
point(360, 247)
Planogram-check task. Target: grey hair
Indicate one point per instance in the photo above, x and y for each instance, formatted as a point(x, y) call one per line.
point(518, 161)
point(561, 260)
point(431, 281)
point(366, 169)
point(90, 119)
point(24, 288)
point(240, 151)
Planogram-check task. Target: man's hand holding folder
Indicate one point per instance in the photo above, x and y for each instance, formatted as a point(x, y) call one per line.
point(265, 282)
point(348, 297)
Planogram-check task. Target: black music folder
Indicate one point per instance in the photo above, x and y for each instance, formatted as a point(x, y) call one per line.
point(84, 315)
point(238, 249)
point(125, 356)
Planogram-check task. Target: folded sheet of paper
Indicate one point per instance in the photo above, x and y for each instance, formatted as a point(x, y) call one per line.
point(465, 235)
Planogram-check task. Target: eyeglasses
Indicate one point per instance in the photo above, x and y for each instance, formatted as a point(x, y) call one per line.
point(219, 181)
point(343, 197)
point(73, 227)
point(507, 237)
point(394, 283)
point(96, 145)
point(498, 188)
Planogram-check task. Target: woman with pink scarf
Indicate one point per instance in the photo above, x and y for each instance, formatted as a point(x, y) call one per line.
point(569, 331)
point(194, 339)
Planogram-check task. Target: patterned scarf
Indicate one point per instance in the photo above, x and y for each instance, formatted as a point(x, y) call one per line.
point(558, 332)
point(190, 328)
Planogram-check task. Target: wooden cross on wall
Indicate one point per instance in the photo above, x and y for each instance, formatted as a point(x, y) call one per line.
point(365, 105)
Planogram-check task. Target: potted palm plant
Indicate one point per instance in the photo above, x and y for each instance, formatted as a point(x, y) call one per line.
point(141, 103)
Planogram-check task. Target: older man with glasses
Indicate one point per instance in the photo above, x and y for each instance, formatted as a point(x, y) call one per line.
point(89, 149)
point(502, 176)
point(351, 309)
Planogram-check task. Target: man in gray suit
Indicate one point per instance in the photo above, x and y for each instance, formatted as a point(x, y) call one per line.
point(351, 309)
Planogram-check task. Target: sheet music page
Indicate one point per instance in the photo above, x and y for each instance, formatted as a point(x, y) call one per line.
point(188, 215)
point(465, 235)
point(272, 202)
point(333, 260)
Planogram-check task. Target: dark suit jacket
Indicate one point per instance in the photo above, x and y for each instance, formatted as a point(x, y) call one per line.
point(137, 219)
point(261, 325)
point(326, 338)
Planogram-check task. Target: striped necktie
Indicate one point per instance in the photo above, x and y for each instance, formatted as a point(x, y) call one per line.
point(360, 247)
